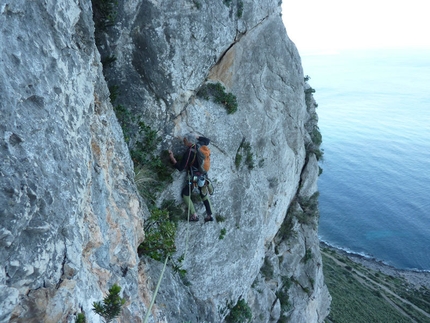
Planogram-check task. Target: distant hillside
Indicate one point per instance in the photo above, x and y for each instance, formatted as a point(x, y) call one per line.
point(363, 291)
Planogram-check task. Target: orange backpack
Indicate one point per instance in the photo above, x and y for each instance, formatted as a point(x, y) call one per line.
point(203, 155)
point(203, 158)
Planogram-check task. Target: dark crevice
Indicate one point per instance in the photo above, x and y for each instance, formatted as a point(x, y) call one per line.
point(62, 268)
point(225, 52)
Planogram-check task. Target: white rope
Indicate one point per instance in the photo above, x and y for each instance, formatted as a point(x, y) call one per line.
point(156, 291)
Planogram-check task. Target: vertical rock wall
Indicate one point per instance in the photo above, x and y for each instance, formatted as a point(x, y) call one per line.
point(165, 53)
point(71, 219)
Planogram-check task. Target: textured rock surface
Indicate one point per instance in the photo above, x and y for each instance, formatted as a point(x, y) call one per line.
point(71, 218)
point(67, 195)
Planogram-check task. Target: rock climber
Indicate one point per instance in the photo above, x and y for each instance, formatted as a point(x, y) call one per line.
point(189, 162)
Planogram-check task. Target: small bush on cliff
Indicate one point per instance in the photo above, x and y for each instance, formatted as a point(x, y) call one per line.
point(308, 255)
point(310, 212)
point(152, 170)
point(267, 269)
point(219, 95)
point(160, 234)
point(282, 293)
point(104, 13)
point(309, 91)
point(197, 4)
point(244, 150)
point(80, 318)
point(239, 8)
point(111, 306)
point(222, 233)
point(240, 313)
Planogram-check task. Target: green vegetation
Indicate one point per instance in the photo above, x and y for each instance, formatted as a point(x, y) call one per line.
point(312, 124)
point(284, 298)
point(314, 146)
point(309, 91)
point(219, 95)
point(106, 61)
point(287, 226)
point(239, 8)
point(238, 159)
point(197, 4)
point(152, 170)
point(159, 236)
point(111, 306)
point(220, 218)
point(240, 313)
point(152, 167)
point(305, 210)
point(309, 213)
point(308, 255)
point(267, 269)
point(282, 294)
point(244, 150)
point(113, 93)
point(222, 233)
point(362, 295)
point(316, 136)
point(80, 318)
point(104, 13)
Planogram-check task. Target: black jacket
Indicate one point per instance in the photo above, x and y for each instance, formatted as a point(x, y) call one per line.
point(189, 157)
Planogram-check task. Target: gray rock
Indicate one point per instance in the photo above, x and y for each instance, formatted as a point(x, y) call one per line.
point(71, 218)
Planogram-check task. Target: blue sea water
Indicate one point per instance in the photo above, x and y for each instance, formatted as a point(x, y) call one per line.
point(374, 116)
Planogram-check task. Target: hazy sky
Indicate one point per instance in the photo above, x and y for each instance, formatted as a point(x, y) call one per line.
point(339, 24)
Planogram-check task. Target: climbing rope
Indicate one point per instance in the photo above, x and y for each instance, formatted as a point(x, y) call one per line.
point(185, 253)
point(187, 234)
point(165, 262)
point(156, 291)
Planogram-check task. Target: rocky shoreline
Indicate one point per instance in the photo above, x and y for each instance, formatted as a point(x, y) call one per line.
point(415, 277)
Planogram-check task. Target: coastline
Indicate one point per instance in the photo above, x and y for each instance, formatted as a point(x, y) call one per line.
point(414, 277)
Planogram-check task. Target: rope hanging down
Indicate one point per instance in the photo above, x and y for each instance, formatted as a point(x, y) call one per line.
point(156, 291)
point(165, 262)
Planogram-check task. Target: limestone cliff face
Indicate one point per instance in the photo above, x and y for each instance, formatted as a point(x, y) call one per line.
point(71, 217)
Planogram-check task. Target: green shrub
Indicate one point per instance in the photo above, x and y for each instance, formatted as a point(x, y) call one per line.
point(311, 148)
point(316, 136)
point(219, 95)
point(106, 61)
point(239, 8)
point(222, 233)
point(111, 306)
point(197, 4)
point(104, 13)
point(308, 255)
point(113, 93)
point(267, 269)
point(159, 236)
point(240, 313)
point(153, 170)
point(238, 159)
point(176, 212)
point(80, 318)
point(220, 218)
point(309, 91)
point(244, 150)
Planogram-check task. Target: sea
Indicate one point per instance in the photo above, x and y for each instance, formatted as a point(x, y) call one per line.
point(374, 117)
